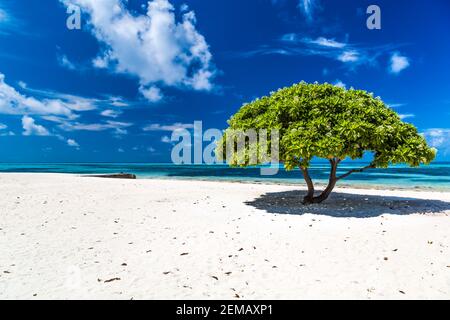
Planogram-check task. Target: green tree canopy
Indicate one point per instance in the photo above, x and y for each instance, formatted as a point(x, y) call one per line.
point(326, 121)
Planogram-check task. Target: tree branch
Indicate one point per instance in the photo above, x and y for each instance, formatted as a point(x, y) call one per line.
point(371, 166)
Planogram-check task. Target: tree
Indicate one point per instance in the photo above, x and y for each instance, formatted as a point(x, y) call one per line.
point(326, 121)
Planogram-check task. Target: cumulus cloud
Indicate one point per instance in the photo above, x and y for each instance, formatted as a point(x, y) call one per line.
point(3, 126)
point(157, 47)
point(398, 63)
point(100, 62)
point(32, 129)
point(152, 94)
point(72, 143)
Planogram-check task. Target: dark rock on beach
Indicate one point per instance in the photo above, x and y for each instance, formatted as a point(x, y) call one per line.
point(115, 176)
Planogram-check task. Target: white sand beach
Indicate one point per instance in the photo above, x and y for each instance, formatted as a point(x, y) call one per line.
point(71, 237)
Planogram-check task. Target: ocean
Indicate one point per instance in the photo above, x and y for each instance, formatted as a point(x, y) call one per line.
point(435, 176)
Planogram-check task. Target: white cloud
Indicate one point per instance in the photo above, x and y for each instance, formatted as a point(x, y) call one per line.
point(7, 134)
point(72, 143)
point(45, 103)
point(395, 105)
point(22, 84)
point(349, 56)
point(100, 62)
point(64, 62)
point(321, 41)
point(165, 139)
point(13, 102)
point(406, 116)
point(172, 127)
point(120, 132)
point(151, 149)
point(111, 113)
point(9, 24)
point(352, 55)
point(152, 94)
point(289, 37)
point(340, 84)
point(120, 150)
point(3, 126)
point(118, 102)
point(154, 47)
point(398, 63)
point(307, 7)
point(32, 129)
point(3, 16)
point(62, 109)
point(117, 127)
point(438, 138)
point(318, 42)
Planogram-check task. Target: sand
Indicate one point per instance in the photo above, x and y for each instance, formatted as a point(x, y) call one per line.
point(71, 237)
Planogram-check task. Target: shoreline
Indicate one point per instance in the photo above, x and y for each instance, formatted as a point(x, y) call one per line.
point(73, 237)
point(300, 184)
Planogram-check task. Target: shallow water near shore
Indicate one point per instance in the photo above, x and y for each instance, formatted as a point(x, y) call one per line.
point(435, 176)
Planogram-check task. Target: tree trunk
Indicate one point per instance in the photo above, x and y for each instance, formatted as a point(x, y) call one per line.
point(310, 195)
point(309, 198)
point(331, 183)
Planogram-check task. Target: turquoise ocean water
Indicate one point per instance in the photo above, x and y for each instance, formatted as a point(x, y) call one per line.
point(434, 176)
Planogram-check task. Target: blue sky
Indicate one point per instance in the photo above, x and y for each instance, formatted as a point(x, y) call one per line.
point(112, 91)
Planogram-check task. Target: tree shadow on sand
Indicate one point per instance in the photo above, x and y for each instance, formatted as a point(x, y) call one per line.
point(344, 205)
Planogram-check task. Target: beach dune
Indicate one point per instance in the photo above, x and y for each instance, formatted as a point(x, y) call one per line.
point(72, 237)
